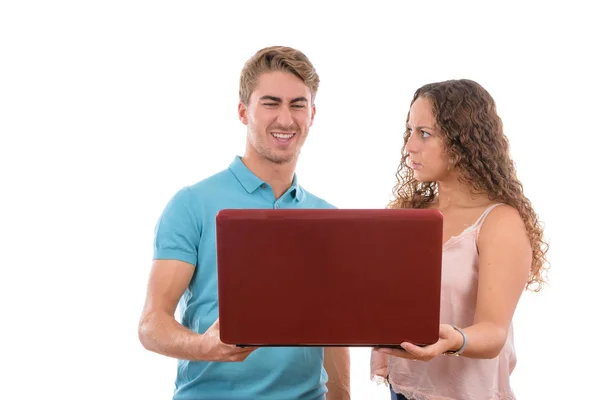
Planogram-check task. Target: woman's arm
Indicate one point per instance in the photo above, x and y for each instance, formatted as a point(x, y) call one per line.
point(504, 263)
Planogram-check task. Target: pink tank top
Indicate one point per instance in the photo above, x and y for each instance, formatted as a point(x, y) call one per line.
point(451, 377)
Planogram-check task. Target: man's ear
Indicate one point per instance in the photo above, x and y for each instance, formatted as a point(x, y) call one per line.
point(243, 113)
point(312, 117)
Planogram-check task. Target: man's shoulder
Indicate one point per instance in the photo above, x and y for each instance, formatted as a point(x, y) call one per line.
point(210, 185)
point(204, 191)
point(313, 201)
point(215, 179)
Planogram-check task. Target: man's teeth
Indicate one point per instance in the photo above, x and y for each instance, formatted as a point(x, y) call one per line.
point(282, 135)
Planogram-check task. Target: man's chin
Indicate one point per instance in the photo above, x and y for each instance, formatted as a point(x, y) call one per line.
point(281, 159)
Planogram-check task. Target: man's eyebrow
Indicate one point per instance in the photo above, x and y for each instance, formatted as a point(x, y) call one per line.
point(278, 99)
point(272, 98)
point(297, 99)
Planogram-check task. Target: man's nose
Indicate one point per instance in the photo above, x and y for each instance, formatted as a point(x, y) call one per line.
point(284, 118)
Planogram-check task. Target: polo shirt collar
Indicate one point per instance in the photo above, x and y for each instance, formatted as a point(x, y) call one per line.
point(251, 182)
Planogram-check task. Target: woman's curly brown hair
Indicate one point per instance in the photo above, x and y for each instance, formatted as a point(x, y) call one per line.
point(479, 151)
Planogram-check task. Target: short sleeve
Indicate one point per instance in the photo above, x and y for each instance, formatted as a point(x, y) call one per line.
point(177, 232)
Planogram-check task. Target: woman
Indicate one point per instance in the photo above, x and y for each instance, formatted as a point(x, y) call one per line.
point(456, 159)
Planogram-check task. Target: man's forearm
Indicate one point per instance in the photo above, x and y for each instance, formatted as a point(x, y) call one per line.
point(164, 335)
point(337, 365)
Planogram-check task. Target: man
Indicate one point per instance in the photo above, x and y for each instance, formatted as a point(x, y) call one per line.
point(277, 93)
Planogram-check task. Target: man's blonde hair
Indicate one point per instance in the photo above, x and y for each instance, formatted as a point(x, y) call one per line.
point(277, 58)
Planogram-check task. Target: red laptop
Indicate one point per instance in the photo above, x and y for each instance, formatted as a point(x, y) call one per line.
point(329, 277)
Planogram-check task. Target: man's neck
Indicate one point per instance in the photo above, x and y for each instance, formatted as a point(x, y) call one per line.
point(279, 176)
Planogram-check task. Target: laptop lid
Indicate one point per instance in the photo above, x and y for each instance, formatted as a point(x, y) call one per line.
point(329, 277)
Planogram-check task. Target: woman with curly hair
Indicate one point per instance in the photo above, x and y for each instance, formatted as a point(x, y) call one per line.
point(456, 159)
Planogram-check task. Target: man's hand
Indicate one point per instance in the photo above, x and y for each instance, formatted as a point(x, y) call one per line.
point(215, 350)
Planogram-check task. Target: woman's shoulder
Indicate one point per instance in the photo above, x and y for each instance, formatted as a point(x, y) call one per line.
point(501, 219)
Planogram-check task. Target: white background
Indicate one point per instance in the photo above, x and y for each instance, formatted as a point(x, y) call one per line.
point(107, 108)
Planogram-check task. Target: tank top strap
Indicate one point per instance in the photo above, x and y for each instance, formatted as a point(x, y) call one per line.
point(480, 220)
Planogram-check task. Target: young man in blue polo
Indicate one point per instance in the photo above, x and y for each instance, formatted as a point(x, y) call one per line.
point(277, 92)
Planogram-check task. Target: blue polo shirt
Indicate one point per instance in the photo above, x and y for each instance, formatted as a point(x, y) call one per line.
point(186, 232)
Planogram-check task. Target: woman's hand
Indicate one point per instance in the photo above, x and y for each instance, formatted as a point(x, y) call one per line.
point(450, 340)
